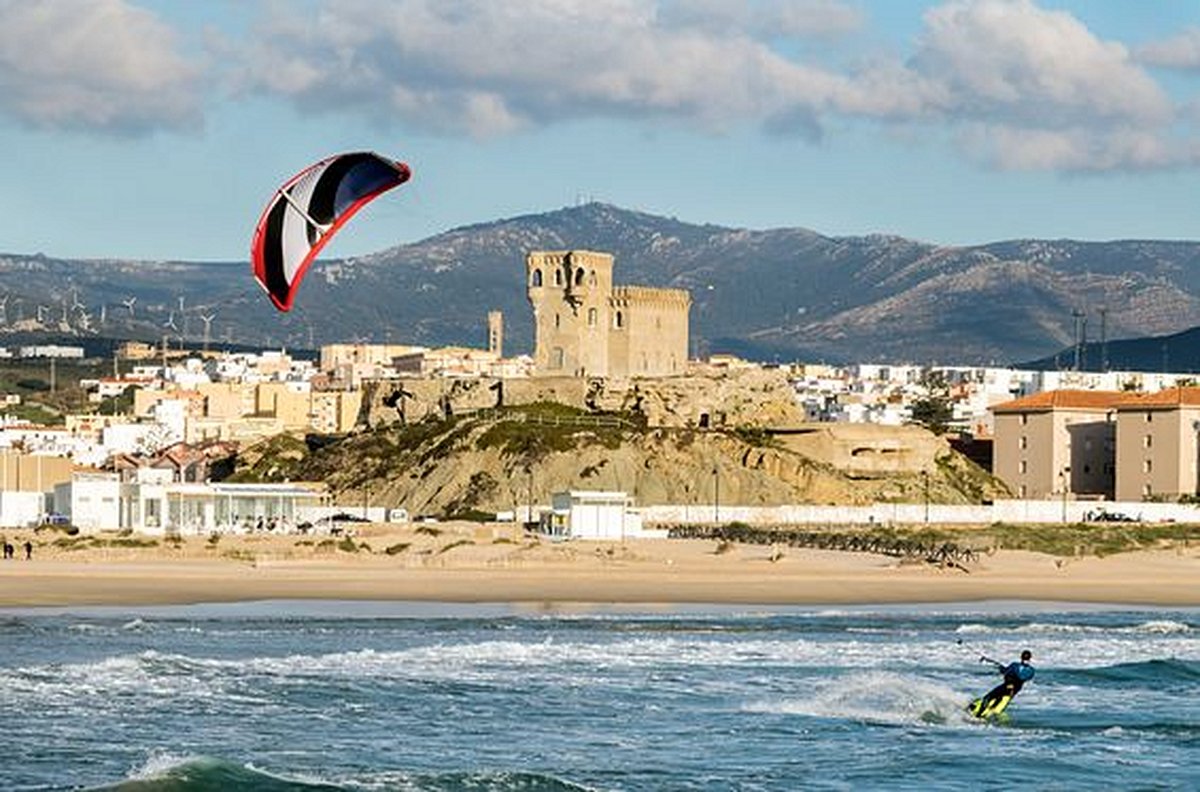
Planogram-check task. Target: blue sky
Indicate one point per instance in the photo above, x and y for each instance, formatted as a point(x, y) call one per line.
point(159, 128)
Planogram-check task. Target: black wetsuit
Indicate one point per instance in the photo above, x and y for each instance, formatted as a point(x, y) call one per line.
point(1015, 677)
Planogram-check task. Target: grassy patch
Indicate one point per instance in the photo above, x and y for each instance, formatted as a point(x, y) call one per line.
point(533, 431)
point(1091, 539)
point(275, 459)
point(453, 545)
point(69, 530)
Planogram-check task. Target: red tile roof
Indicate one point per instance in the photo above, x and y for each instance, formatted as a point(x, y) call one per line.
point(1179, 396)
point(1064, 400)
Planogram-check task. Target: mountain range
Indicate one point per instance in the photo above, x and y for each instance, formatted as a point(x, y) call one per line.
point(775, 294)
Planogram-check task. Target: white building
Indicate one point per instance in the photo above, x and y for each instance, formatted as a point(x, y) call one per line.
point(51, 351)
point(583, 514)
point(151, 502)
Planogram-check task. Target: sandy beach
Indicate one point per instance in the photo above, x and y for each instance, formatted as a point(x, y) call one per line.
point(469, 563)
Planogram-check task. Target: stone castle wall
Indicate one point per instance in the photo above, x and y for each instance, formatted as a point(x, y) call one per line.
point(701, 399)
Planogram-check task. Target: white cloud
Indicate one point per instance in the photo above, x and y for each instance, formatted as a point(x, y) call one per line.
point(1018, 85)
point(464, 64)
point(1180, 52)
point(764, 19)
point(92, 64)
point(1026, 88)
point(1016, 61)
point(1077, 150)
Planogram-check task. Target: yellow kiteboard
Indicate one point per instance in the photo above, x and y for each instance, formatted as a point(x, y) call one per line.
point(993, 708)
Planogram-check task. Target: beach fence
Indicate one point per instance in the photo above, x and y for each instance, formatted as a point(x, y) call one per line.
point(936, 552)
point(1011, 511)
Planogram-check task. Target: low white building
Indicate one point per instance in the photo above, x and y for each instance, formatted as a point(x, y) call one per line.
point(21, 509)
point(584, 514)
point(91, 501)
point(152, 503)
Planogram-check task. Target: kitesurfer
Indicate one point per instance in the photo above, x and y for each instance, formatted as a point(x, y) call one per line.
point(1016, 674)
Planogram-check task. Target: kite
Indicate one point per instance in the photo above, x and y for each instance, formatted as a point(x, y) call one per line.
point(308, 210)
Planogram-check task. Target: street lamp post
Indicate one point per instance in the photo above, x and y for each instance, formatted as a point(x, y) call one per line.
point(1066, 488)
point(925, 481)
point(716, 494)
point(529, 513)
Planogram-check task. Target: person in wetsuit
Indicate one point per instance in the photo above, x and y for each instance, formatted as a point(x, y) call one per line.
point(1015, 676)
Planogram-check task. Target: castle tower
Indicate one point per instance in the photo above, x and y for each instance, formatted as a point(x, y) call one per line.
point(569, 291)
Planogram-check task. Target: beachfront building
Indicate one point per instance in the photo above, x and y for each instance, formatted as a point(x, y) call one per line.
point(152, 501)
point(26, 481)
point(588, 514)
point(1058, 443)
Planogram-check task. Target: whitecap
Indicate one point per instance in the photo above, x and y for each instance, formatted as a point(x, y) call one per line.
point(1162, 627)
point(159, 764)
point(877, 697)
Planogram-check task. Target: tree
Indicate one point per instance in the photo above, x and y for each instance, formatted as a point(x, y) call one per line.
point(935, 409)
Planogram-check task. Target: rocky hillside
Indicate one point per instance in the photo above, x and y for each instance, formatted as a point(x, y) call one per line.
point(786, 293)
point(520, 455)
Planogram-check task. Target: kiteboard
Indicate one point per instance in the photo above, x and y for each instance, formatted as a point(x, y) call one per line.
point(994, 708)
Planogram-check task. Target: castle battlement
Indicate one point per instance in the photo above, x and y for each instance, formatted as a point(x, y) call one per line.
point(629, 296)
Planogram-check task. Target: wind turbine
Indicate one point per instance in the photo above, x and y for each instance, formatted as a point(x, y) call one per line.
point(41, 309)
point(183, 313)
point(171, 322)
point(207, 319)
point(129, 304)
point(103, 314)
point(4, 309)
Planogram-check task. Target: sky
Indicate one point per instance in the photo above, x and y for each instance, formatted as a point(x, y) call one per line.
point(158, 129)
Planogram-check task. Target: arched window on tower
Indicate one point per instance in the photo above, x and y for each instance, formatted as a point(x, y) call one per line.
point(579, 277)
point(592, 278)
point(591, 317)
point(618, 320)
point(558, 277)
point(536, 280)
point(557, 321)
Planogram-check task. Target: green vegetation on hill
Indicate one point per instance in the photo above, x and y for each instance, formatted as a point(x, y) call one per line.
point(530, 432)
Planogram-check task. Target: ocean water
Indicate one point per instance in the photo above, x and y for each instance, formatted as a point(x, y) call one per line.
point(406, 696)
